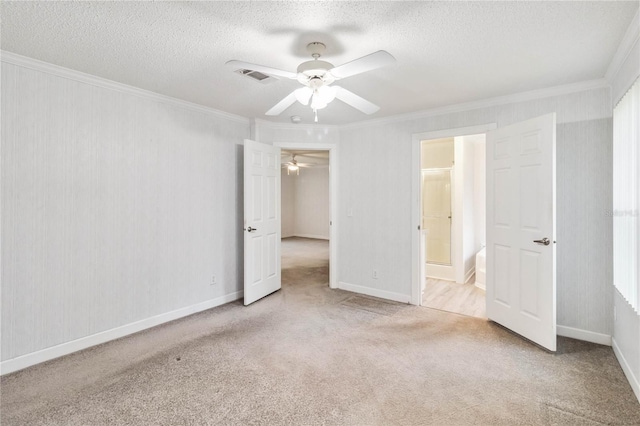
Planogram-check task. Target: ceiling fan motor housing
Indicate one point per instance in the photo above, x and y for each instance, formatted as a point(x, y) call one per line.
point(315, 69)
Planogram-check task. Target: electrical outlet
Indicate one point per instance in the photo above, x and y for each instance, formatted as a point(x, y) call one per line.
point(375, 274)
point(214, 281)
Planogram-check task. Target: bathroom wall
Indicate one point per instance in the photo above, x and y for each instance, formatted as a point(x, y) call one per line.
point(437, 153)
point(465, 209)
point(469, 204)
point(480, 192)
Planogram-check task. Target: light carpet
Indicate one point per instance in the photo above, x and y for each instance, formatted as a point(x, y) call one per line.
point(309, 355)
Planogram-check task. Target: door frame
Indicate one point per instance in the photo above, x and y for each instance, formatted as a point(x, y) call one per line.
point(333, 199)
point(417, 248)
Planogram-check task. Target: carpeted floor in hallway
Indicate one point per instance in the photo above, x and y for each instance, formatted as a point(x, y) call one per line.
point(309, 355)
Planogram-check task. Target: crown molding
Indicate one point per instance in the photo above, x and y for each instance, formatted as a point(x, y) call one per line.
point(548, 92)
point(631, 37)
point(289, 126)
point(37, 65)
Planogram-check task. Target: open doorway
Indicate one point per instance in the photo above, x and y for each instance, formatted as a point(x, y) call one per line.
point(306, 217)
point(453, 207)
point(449, 200)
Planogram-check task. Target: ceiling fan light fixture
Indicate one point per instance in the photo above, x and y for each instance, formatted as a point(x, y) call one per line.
point(293, 168)
point(303, 95)
point(317, 102)
point(326, 94)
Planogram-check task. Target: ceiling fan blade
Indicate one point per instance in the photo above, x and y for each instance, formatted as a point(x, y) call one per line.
point(370, 62)
point(283, 104)
point(261, 68)
point(356, 101)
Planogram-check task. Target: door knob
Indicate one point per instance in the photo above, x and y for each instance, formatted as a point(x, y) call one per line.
point(544, 241)
point(250, 229)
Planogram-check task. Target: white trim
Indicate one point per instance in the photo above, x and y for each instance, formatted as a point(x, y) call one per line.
point(469, 274)
point(482, 287)
point(630, 38)
point(633, 380)
point(34, 64)
point(24, 361)
point(292, 126)
point(440, 272)
point(485, 103)
point(333, 200)
point(315, 237)
point(382, 294)
point(416, 189)
point(585, 335)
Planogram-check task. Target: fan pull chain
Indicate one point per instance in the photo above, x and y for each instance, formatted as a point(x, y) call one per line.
point(315, 111)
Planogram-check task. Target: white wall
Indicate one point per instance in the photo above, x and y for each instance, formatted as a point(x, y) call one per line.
point(624, 70)
point(312, 203)
point(293, 135)
point(288, 197)
point(118, 207)
point(466, 208)
point(480, 192)
point(305, 205)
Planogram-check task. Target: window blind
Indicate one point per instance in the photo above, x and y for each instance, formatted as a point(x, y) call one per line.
point(626, 196)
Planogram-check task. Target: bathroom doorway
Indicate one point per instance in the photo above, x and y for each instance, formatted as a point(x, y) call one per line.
point(453, 224)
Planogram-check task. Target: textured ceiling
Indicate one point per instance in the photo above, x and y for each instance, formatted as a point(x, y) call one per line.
point(447, 52)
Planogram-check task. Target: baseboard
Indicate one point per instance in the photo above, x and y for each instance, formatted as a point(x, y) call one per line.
point(382, 294)
point(24, 361)
point(481, 286)
point(315, 237)
point(469, 274)
point(587, 336)
point(440, 272)
point(287, 235)
point(633, 380)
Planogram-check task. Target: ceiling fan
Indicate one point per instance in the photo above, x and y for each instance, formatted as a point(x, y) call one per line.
point(294, 165)
point(316, 76)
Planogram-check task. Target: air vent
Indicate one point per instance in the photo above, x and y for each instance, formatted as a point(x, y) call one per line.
point(257, 76)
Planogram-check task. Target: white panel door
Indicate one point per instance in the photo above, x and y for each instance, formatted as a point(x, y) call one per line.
point(521, 253)
point(261, 220)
